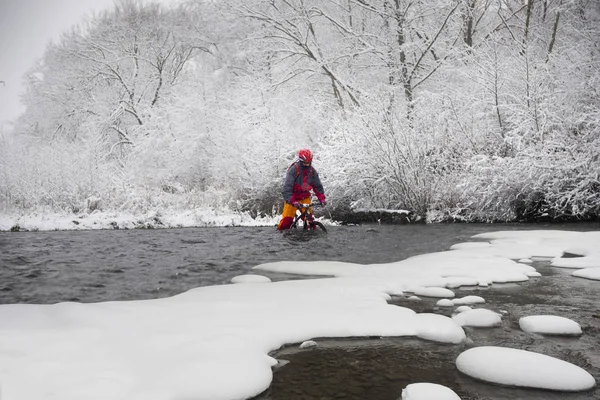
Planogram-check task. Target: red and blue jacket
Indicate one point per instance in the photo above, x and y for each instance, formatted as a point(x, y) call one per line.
point(299, 181)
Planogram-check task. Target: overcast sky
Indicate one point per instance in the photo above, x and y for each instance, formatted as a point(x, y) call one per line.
point(26, 27)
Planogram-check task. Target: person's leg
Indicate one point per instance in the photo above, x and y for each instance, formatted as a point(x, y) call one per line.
point(310, 217)
point(307, 201)
point(287, 217)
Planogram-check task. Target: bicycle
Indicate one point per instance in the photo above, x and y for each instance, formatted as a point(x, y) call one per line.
point(306, 216)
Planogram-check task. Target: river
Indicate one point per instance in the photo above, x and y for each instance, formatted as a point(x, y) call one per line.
point(109, 265)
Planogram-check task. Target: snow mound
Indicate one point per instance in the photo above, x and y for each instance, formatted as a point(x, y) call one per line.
point(478, 318)
point(433, 292)
point(588, 250)
point(445, 303)
point(427, 275)
point(468, 300)
point(428, 391)
point(250, 278)
point(308, 344)
point(576, 262)
point(438, 328)
point(514, 367)
point(550, 325)
point(533, 245)
point(588, 273)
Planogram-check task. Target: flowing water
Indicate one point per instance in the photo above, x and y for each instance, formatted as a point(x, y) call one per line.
point(91, 266)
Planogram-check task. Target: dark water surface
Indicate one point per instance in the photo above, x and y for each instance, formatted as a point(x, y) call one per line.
point(91, 266)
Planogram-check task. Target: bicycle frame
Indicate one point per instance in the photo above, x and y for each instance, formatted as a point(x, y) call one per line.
point(306, 216)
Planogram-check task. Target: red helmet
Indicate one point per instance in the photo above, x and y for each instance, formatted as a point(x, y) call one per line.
point(305, 155)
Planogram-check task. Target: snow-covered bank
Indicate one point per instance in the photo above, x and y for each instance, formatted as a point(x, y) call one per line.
point(214, 342)
point(200, 217)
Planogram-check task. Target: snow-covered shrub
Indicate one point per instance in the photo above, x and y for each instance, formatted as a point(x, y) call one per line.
point(55, 176)
point(552, 184)
point(377, 162)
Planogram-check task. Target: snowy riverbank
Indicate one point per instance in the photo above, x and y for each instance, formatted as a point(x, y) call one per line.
point(200, 217)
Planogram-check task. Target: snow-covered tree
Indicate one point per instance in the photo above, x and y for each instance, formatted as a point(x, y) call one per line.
point(472, 109)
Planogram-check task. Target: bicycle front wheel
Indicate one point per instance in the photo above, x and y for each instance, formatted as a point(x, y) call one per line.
point(320, 226)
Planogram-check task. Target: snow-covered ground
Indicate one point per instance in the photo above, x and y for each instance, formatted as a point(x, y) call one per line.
point(200, 217)
point(214, 342)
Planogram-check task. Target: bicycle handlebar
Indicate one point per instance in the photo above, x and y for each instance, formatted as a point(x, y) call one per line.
point(303, 205)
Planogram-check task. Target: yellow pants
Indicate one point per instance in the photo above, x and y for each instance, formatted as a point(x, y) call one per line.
point(289, 213)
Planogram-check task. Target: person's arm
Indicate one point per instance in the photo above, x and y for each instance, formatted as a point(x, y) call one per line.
point(318, 187)
point(288, 185)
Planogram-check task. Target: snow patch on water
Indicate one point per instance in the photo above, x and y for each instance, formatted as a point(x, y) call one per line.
point(550, 325)
point(514, 367)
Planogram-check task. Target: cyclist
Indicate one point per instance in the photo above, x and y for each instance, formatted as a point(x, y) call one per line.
point(300, 179)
